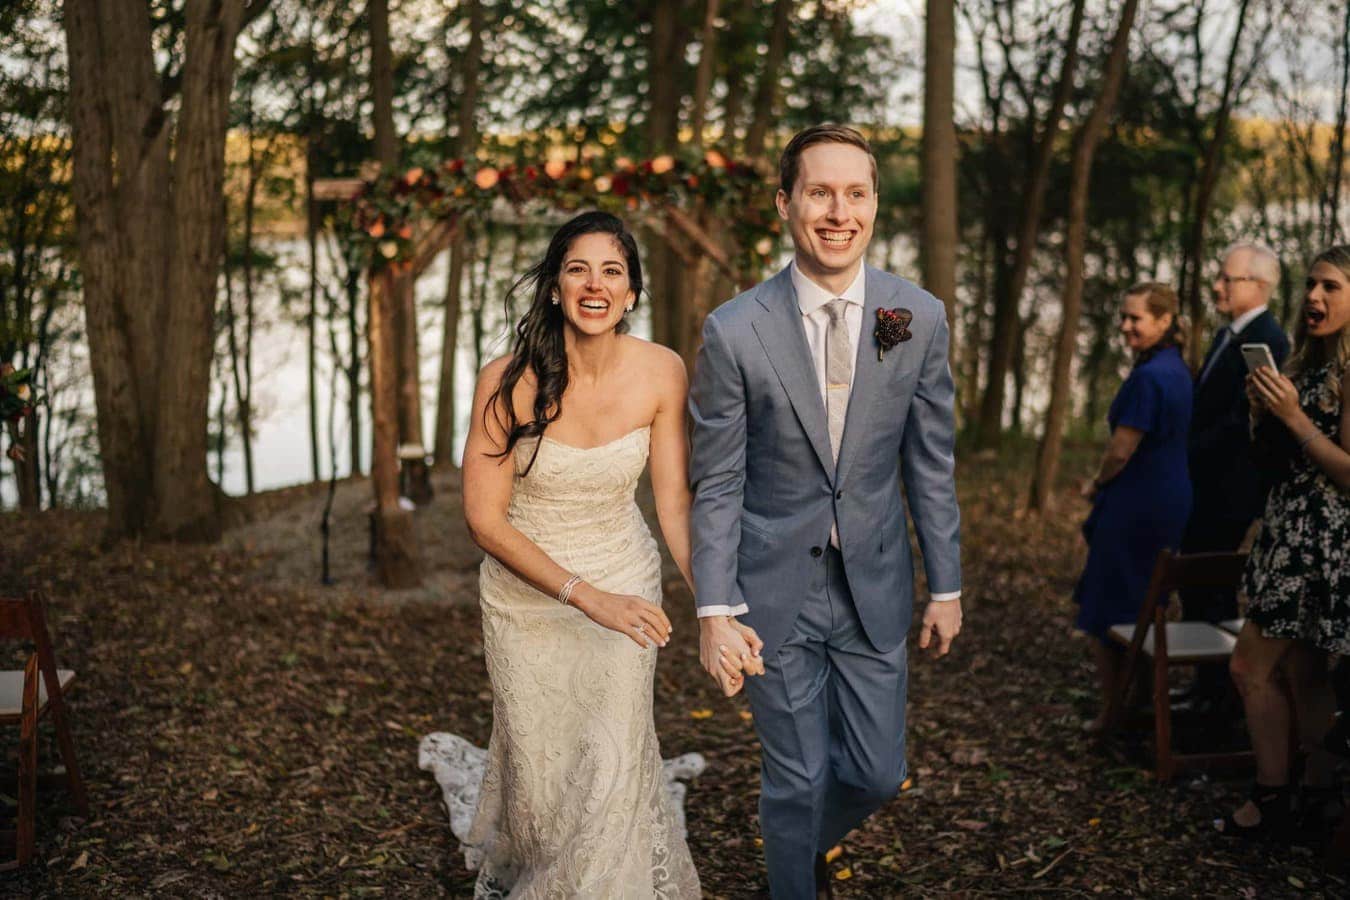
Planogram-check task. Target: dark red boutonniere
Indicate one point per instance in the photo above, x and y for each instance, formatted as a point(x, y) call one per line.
point(892, 328)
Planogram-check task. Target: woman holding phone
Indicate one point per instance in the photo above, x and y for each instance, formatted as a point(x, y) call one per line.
point(1298, 575)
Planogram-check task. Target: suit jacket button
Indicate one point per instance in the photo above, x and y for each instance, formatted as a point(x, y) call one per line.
point(816, 551)
point(839, 495)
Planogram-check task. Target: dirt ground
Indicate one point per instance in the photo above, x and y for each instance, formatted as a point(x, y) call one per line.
point(247, 731)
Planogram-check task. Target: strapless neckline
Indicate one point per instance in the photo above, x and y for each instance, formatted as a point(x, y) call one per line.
point(617, 440)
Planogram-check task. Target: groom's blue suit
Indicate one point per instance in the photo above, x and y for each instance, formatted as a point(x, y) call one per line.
point(830, 710)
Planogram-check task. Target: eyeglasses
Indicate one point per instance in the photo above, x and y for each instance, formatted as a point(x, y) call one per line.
point(1230, 279)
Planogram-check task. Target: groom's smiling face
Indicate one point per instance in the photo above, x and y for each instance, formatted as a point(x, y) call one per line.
point(831, 211)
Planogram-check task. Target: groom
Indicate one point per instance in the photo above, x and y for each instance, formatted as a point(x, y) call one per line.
point(809, 410)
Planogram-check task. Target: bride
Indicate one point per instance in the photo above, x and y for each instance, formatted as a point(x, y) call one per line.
point(573, 803)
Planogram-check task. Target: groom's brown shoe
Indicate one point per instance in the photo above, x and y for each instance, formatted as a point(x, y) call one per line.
point(824, 890)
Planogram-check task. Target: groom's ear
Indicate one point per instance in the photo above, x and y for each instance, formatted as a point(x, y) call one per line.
point(781, 201)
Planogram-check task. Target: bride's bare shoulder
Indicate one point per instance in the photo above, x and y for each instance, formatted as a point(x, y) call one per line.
point(655, 359)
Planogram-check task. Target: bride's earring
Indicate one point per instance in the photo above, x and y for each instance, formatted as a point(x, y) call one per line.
point(556, 298)
point(628, 308)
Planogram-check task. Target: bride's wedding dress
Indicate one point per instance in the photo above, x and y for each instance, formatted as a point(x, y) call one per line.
point(575, 800)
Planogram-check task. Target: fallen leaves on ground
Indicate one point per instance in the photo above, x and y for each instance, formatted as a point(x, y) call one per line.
point(244, 733)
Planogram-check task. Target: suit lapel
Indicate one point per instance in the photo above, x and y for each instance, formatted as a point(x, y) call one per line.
point(784, 340)
point(868, 371)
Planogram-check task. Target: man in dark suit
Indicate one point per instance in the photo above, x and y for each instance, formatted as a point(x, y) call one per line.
point(1228, 490)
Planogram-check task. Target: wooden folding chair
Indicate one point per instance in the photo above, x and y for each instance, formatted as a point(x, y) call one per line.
point(1173, 644)
point(26, 696)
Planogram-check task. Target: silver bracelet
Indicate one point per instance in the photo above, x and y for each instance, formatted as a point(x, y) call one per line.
point(565, 592)
point(1302, 445)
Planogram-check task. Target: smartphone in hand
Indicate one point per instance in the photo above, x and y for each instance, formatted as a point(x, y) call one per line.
point(1258, 355)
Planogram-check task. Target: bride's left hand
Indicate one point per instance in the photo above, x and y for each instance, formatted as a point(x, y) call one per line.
point(755, 664)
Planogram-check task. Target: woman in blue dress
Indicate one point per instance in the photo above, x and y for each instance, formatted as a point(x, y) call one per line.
point(1141, 495)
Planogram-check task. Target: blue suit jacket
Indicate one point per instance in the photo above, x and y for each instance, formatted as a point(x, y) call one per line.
point(1224, 475)
point(766, 490)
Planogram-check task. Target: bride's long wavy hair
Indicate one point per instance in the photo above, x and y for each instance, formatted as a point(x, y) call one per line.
point(538, 345)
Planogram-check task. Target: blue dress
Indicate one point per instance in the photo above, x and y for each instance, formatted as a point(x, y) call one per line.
point(1144, 509)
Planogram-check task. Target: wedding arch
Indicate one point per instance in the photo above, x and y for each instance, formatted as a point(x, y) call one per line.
point(711, 211)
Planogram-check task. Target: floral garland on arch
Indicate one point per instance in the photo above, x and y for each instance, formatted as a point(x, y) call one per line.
point(18, 398)
point(735, 195)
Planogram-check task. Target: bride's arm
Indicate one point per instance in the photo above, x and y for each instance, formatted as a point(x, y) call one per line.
point(487, 480)
point(670, 459)
point(670, 485)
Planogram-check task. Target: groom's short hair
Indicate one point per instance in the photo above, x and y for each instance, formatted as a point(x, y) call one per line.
point(824, 133)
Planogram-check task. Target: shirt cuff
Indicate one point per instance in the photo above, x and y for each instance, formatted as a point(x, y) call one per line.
point(945, 596)
point(705, 611)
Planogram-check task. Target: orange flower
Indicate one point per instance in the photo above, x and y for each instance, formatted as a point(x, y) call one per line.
point(663, 164)
point(585, 173)
point(405, 232)
point(413, 175)
point(555, 168)
point(715, 160)
point(376, 229)
point(624, 164)
point(486, 178)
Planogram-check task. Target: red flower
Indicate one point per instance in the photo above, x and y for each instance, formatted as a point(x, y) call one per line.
point(892, 328)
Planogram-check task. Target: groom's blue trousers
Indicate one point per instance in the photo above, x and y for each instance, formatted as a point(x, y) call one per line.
point(830, 713)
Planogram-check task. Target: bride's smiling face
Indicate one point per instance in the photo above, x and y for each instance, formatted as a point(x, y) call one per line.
point(593, 284)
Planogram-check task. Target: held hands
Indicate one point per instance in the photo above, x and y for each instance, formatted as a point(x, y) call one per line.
point(729, 651)
point(1269, 389)
point(941, 619)
point(642, 622)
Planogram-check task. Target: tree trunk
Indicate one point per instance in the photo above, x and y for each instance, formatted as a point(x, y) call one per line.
point(1047, 458)
point(466, 142)
point(937, 243)
point(150, 228)
point(382, 86)
point(1007, 303)
point(396, 545)
point(1210, 165)
point(766, 88)
point(355, 444)
point(707, 55)
point(1332, 233)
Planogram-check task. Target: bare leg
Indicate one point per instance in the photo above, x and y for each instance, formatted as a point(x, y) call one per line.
point(1254, 664)
point(1315, 705)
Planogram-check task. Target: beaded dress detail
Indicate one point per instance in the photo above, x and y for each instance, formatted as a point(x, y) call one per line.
point(575, 800)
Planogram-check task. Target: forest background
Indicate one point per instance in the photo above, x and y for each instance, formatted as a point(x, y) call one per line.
point(1229, 124)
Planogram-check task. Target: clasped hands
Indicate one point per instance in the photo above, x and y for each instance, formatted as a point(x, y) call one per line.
point(729, 651)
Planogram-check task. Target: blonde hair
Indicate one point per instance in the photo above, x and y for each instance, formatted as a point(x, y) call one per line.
point(1310, 353)
point(1161, 300)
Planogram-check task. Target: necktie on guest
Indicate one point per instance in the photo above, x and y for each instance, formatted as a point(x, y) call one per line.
point(1221, 339)
point(838, 382)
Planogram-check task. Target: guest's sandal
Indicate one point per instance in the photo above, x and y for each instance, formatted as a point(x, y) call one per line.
point(1276, 807)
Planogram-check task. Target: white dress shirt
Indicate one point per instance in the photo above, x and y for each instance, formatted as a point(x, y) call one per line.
point(811, 300)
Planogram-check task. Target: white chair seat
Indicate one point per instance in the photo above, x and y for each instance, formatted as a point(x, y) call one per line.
point(1187, 642)
point(1232, 626)
point(11, 690)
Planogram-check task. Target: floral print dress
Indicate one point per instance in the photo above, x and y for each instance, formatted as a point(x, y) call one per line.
point(1298, 575)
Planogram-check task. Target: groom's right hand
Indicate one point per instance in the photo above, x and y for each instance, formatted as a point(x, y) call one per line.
point(728, 648)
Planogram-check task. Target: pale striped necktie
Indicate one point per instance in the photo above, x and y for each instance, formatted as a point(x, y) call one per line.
point(838, 372)
point(838, 378)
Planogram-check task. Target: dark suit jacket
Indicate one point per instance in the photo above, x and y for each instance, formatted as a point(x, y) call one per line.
point(1227, 485)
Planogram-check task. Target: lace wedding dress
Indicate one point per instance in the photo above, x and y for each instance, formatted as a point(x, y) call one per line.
point(575, 801)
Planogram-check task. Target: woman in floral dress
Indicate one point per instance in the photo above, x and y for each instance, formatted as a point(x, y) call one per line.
point(1298, 576)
